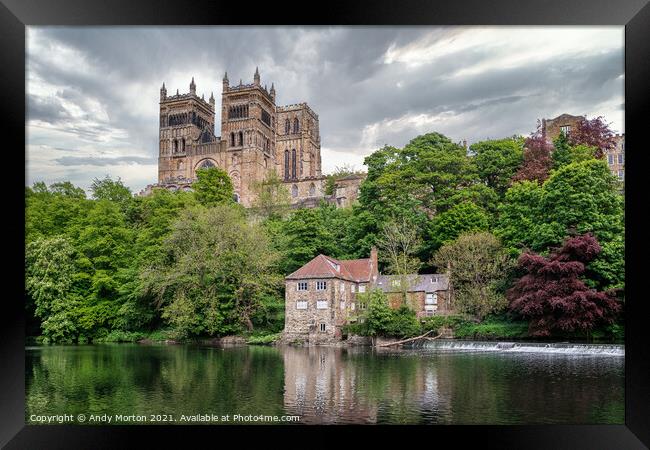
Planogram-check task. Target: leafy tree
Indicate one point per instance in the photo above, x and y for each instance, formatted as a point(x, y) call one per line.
point(593, 133)
point(213, 186)
point(462, 218)
point(519, 215)
point(537, 160)
point(219, 269)
point(552, 295)
point(67, 189)
point(49, 277)
point(398, 245)
point(272, 198)
point(497, 161)
point(479, 267)
point(107, 189)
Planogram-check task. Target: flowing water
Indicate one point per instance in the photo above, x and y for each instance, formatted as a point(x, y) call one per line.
point(441, 382)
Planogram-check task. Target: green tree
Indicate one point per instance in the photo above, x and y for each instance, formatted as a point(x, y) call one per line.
point(479, 267)
point(519, 214)
point(49, 276)
point(219, 270)
point(107, 189)
point(213, 187)
point(272, 198)
point(464, 217)
point(498, 160)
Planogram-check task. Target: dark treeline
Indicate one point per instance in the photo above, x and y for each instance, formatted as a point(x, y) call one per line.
point(186, 264)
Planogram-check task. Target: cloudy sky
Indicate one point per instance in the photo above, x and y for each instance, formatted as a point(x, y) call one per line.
point(93, 92)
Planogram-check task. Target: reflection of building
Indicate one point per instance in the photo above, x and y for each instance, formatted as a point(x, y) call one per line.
point(321, 385)
point(615, 156)
point(257, 138)
point(325, 385)
point(321, 296)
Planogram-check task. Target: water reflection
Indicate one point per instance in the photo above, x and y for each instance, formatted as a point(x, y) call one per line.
point(326, 385)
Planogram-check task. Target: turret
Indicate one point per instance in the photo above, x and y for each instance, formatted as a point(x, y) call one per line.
point(192, 87)
point(211, 99)
point(225, 82)
point(272, 91)
point(256, 77)
point(163, 92)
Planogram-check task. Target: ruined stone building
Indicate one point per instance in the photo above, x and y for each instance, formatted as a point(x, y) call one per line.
point(321, 296)
point(257, 137)
point(615, 157)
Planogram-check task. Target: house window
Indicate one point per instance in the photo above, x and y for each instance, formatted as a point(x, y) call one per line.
point(342, 304)
point(352, 306)
point(302, 285)
point(566, 129)
point(322, 328)
point(321, 304)
point(621, 174)
point(610, 159)
point(362, 288)
point(301, 304)
point(620, 158)
point(434, 279)
point(431, 303)
point(321, 285)
point(362, 305)
point(352, 288)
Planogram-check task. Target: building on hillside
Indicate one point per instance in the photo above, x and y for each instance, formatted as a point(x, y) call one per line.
point(615, 156)
point(257, 137)
point(321, 296)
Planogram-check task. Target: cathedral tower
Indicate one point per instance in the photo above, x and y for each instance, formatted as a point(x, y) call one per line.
point(247, 130)
point(185, 120)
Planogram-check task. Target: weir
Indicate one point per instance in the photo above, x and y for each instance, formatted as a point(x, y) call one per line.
point(566, 348)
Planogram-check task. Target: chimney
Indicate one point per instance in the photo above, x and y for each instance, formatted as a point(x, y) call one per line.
point(374, 267)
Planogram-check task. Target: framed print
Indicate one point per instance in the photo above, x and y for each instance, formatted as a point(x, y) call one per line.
point(378, 218)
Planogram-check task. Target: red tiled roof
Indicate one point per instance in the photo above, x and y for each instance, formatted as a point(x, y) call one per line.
point(325, 267)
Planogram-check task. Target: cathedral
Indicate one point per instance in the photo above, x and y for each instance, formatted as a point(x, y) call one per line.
point(257, 138)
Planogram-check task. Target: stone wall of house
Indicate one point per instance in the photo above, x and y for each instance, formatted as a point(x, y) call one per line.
point(552, 127)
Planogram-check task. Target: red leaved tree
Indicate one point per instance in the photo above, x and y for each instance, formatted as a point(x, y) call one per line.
point(552, 295)
point(594, 133)
point(537, 158)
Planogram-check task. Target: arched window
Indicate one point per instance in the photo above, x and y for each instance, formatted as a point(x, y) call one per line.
point(296, 125)
point(206, 164)
point(287, 126)
point(183, 147)
point(232, 139)
point(312, 190)
point(286, 164)
point(294, 191)
point(293, 163)
point(241, 138)
point(175, 145)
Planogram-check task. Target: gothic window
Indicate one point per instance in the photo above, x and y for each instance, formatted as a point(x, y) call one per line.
point(181, 166)
point(293, 163)
point(294, 191)
point(175, 145)
point(232, 139)
point(241, 138)
point(296, 125)
point(266, 117)
point(287, 126)
point(312, 190)
point(286, 164)
point(206, 164)
point(183, 147)
point(268, 145)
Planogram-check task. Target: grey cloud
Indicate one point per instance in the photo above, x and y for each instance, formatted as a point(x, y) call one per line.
point(339, 71)
point(94, 161)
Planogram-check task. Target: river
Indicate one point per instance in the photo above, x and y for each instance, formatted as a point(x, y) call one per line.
point(441, 383)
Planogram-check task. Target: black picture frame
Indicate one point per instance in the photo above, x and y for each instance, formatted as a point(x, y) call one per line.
point(15, 15)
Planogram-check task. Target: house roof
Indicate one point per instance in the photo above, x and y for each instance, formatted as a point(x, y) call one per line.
point(325, 267)
point(417, 283)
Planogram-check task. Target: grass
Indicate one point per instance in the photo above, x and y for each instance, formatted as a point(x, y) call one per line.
point(263, 339)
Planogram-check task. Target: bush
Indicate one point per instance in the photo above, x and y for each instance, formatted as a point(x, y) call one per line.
point(437, 322)
point(263, 339)
point(492, 328)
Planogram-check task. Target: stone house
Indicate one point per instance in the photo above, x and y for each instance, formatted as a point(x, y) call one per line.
point(321, 296)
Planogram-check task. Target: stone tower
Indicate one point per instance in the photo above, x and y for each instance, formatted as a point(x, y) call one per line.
point(185, 119)
point(248, 120)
